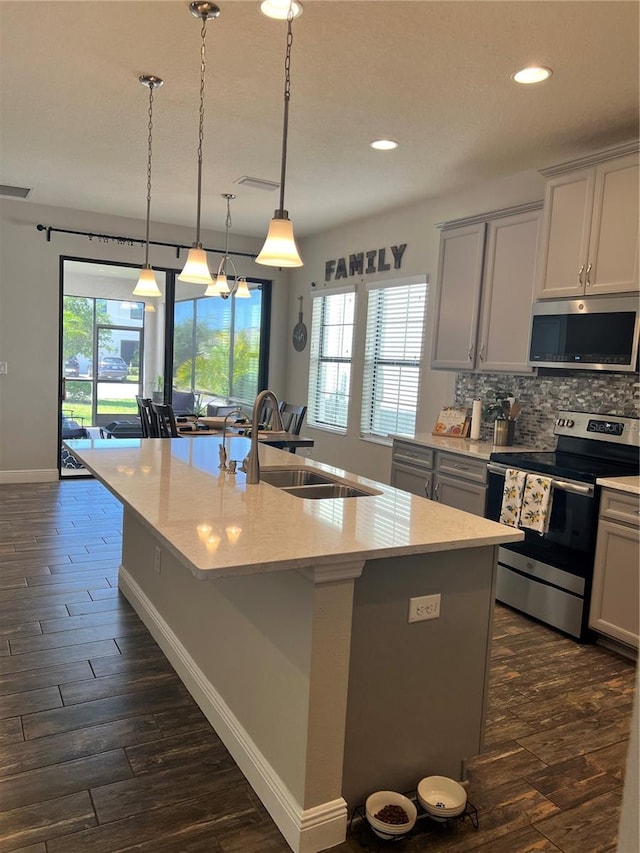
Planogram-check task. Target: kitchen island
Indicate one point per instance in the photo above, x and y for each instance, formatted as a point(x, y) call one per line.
point(287, 619)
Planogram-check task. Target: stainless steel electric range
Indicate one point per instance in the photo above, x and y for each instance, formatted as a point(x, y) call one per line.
point(549, 576)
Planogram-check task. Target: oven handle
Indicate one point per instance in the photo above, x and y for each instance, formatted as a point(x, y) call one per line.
point(562, 485)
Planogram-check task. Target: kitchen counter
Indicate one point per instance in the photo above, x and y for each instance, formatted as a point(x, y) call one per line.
point(288, 621)
point(464, 446)
point(176, 487)
point(621, 484)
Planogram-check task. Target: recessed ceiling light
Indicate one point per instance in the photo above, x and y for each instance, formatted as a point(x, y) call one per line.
point(279, 9)
point(383, 144)
point(534, 74)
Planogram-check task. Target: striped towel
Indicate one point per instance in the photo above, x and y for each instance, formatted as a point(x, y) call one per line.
point(514, 482)
point(536, 504)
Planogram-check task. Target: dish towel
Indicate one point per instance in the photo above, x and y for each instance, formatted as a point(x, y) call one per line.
point(536, 504)
point(514, 483)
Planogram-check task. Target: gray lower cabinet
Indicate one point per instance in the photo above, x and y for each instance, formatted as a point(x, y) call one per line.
point(412, 468)
point(461, 482)
point(616, 589)
point(453, 479)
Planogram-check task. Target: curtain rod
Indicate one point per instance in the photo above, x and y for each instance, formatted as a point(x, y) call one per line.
point(112, 238)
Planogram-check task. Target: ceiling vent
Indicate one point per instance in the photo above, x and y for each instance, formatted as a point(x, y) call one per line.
point(257, 183)
point(14, 192)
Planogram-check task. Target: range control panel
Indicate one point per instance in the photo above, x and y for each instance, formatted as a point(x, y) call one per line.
point(607, 427)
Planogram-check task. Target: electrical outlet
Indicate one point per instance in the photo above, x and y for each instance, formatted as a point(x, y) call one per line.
point(157, 560)
point(4, 369)
point(424, 607)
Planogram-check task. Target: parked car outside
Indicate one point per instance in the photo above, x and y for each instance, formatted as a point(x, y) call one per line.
point(72, 366)
point(112, 367)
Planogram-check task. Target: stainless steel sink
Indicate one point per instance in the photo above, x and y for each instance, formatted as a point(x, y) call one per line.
point(285, 477)
point(328, 490)
point(305, 483)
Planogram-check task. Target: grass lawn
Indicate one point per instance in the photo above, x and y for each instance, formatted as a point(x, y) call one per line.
point(81, 412)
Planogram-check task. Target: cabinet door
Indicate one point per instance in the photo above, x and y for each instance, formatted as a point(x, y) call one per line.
point(614, 601)
point(613, 248)
point(568, 206)
point(461, 494)
point(412, 480)
point(508, 293)
point(458, 297)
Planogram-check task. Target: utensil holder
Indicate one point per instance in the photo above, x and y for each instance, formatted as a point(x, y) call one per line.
point(503, 432)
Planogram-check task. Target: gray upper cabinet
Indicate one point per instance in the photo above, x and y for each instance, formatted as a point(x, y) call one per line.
point(485, 290)
point(589, 242)
point(458, 297)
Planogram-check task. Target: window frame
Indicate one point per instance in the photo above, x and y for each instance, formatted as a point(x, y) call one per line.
point(373, 360)
point(317, 358)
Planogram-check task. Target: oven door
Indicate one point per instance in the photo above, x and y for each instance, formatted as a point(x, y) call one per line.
point(549, 577)
point(569, 543)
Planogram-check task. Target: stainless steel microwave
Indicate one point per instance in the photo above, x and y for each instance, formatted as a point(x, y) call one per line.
point(593, 333)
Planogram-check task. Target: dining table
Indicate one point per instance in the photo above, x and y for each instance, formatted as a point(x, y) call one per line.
point(214, 426)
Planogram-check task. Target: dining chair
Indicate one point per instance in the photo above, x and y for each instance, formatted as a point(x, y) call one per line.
point(165, 420)
point(183, 402)
point(265, 416)
point(292, 417)
point(147, 419)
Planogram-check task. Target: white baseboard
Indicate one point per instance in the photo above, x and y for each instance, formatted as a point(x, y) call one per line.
point(42, 475)
point(305, 830)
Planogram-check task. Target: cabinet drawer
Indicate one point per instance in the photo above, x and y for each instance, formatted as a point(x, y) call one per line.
point(620, 506)
point(412, 454)
point(462, 466)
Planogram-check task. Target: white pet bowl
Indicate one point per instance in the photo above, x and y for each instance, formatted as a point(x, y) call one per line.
point(376, 802)
point(441, 797)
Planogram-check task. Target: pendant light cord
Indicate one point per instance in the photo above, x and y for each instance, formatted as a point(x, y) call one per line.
point(227, 225)
point(203, 68)
point(287, 98)
point(149, 155)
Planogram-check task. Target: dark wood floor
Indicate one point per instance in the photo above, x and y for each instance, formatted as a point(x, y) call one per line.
point(102, 749)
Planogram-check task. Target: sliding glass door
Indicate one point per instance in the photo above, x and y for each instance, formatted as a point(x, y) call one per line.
point(111, 348)
point(219, 347)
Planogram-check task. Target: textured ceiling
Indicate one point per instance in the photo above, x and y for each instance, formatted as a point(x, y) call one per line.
point(433, 75)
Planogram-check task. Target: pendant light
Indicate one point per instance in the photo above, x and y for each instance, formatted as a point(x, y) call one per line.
point(220, 286)
point(147, 284)
point(196, 269)
point(280, 248)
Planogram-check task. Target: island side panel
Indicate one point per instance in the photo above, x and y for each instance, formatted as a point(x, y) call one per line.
point(417, 692)
point(251, 637)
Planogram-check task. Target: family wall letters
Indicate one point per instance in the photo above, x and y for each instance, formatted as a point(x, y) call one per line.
point(364, 263)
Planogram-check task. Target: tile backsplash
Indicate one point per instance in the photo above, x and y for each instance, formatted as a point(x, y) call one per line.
point(543, 396)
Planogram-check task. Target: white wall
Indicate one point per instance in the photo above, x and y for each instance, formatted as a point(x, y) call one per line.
point(29, 317)
point(415, 226)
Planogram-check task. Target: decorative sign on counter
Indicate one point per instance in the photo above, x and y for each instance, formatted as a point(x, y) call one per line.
point(453, 421)
point(376, 261)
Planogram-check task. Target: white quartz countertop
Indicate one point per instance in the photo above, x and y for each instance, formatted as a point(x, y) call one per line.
point(464, 446)
point(621, 484)
point(218, 525)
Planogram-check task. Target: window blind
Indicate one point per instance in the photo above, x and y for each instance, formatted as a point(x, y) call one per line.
point(330, 355)
point(393, 351)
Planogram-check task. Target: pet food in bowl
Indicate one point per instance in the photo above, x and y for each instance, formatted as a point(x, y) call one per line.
point(390, 814)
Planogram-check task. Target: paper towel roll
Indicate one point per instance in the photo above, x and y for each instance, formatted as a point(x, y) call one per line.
point(476, 419)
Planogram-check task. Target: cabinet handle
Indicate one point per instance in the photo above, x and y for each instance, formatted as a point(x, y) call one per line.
point(588, 281)
point(481, 353)
point(580, 271)
point(427, 488)
point(435, 492)
point(461, 467)
point(470, 353)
